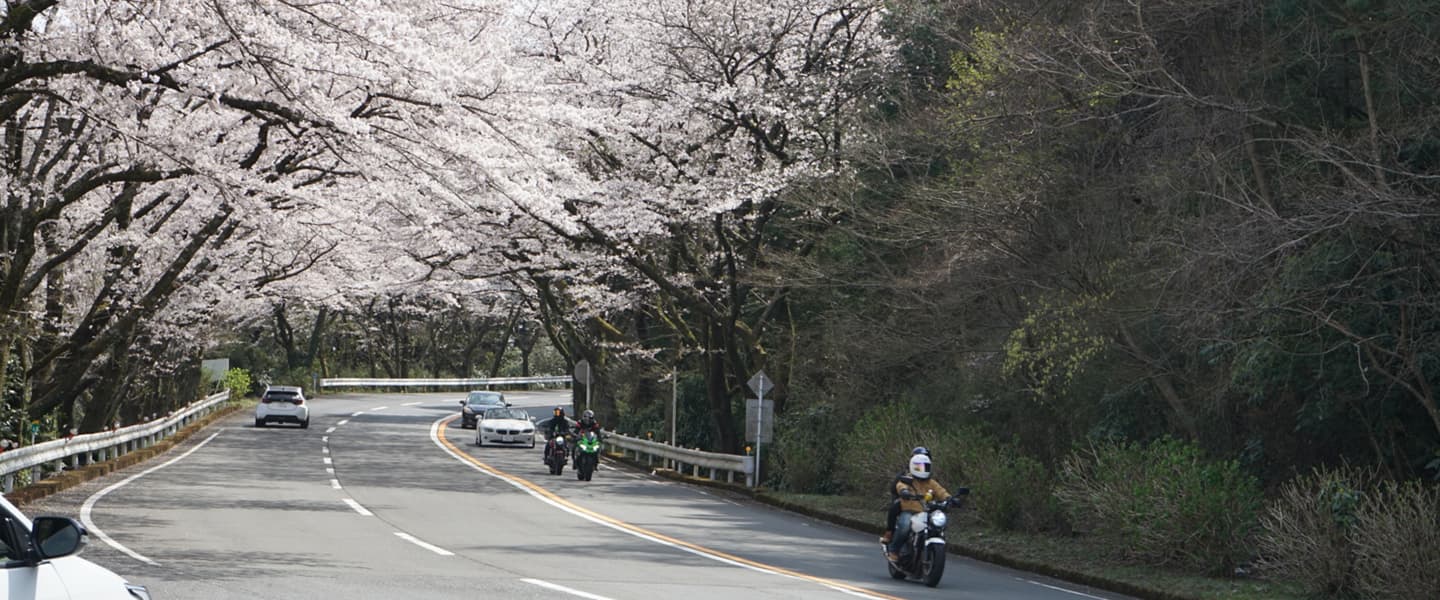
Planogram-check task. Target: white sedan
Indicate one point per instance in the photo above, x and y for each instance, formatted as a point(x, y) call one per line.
point(505, 426)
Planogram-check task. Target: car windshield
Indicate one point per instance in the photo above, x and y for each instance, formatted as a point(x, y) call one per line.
point(486, 398)
point(506, 413)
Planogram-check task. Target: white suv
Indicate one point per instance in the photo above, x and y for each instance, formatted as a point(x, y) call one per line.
point(40, 562)
point(282, 404)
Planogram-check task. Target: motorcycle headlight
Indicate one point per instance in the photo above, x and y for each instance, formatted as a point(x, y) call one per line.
point(938, 519)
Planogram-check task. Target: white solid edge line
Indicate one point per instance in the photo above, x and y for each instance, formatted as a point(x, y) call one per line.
point(435, 437)
point(411, 404)
point(89, 506)
point(359, 509)
point(335, 483)
point(1060, 589)
point(426, 545)
point(561, 588)
point(381, 408)
point(354, 414)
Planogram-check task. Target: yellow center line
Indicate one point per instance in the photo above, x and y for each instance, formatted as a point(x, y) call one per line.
point(552, 497)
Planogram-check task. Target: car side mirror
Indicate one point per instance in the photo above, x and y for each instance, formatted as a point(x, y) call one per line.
point(464, 402)
point(54, 537)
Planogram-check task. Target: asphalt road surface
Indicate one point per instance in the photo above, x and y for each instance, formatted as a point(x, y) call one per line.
point(384, 496)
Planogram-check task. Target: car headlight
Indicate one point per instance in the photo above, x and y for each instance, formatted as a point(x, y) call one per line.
point(137, 591)
point(938, 519)
point(527, 430)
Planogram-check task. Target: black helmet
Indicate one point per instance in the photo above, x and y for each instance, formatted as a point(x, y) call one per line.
point(920, 450)
point(559, 410)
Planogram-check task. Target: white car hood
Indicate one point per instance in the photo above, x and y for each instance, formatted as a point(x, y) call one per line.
point(84, 579)
point(505, 423)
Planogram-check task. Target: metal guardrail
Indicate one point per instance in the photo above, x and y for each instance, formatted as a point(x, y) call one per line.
point(85, 449)
point(679, 458)
point(365, 382)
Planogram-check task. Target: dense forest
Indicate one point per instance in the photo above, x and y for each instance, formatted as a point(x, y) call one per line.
point(1161, 271)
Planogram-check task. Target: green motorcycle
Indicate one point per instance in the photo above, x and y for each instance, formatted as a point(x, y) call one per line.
point(587, 456)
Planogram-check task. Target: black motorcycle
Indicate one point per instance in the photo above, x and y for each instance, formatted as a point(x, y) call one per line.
point(557, 453)
point(922, 556)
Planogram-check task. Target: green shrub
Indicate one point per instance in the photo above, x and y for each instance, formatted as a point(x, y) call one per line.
point(879, 445)
point(1018, 493)
point(805, 444)
point(238, 382)
point(1162, 503)
point(1008, 489)
point(1305, 531)
point(1397, 542)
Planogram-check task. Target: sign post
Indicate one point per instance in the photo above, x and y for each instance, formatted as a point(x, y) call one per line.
point(760, 384)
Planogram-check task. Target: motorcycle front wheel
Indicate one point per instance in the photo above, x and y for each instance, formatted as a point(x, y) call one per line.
point(934, 564)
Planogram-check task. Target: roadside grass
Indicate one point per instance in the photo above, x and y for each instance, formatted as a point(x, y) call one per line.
point(1072, 558)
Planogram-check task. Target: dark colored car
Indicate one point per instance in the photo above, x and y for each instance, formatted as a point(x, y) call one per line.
point(476, 404)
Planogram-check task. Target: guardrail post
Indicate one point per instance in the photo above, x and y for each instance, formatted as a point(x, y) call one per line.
point(9, 482)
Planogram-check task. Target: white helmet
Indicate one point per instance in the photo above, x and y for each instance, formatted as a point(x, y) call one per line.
point(920, 466)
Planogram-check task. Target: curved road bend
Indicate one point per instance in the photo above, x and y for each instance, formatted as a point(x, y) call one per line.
point(384, 496)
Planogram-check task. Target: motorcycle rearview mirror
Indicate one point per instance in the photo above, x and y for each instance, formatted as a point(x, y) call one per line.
point(964, 491)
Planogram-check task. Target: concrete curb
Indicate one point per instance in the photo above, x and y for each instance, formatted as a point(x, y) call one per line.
point(71, 478)
point(954, 547)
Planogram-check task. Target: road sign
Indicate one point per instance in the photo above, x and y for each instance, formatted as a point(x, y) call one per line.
point(582, 371)
point(759, 428)
point(761, 384)
point(34, 428)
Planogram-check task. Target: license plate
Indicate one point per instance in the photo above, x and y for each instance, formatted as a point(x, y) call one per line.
point(508, 438)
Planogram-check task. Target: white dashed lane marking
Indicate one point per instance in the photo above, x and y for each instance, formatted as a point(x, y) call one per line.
point(359, 509)
point(428, 546)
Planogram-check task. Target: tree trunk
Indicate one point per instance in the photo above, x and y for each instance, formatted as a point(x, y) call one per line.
point(717, 392)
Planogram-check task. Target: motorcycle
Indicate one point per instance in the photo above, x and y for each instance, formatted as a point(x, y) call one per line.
point(922, 556)
point(557, 454)
point(587, 456)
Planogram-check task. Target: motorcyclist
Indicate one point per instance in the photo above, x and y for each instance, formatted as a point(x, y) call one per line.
point(558, 426)
point(912, 491)
point(587, 423)
point(894, 512)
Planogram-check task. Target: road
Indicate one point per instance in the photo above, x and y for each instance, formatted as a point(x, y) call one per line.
point(385, 497)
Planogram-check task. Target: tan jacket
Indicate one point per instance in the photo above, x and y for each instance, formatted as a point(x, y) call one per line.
point(919, 487)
